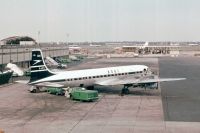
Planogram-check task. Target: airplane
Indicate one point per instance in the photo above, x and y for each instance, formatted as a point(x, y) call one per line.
point(128, 76)
point(144, 45)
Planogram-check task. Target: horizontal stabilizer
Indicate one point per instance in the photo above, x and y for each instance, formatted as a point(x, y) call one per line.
point(49, 84)
point(22, 81)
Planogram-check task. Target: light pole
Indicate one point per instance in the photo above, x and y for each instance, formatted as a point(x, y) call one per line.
point(39, 38)
point(67, 35)
point(2, 58)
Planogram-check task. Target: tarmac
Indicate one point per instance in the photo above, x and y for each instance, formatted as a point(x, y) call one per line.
point(174, 108)
point(181, 100)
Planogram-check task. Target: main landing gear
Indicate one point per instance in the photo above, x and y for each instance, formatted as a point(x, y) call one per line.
point(125, 90)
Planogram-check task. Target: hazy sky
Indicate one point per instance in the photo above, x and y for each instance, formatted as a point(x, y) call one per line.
point(101, 20)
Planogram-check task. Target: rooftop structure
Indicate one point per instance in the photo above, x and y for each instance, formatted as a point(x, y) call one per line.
point(18, 40)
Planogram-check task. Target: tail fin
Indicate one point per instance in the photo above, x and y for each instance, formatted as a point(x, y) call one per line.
point(39, 69)
point(146, 44)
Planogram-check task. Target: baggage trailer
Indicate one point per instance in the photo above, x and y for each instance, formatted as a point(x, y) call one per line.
point(56, 91)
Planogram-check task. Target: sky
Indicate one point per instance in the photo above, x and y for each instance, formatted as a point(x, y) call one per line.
point(101, 20)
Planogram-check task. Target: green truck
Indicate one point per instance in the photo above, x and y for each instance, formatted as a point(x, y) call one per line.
point(82, 94)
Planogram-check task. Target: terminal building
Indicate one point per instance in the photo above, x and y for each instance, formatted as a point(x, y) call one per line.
point(150, 49)
point(159, 49)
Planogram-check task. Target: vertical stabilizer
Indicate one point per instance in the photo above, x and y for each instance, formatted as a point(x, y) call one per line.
point(39, 69)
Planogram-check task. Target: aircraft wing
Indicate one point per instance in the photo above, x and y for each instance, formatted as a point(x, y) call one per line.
point(130, 80)
point(157, 80)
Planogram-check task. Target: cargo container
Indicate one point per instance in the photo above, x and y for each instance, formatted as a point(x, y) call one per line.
point(83, 95)
point(56, 91)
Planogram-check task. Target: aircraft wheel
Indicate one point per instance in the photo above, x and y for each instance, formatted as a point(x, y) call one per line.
point(34, 91)
point(125, 91)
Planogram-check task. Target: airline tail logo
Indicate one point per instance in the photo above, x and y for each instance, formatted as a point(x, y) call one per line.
point(37, 59)
point(36, 62)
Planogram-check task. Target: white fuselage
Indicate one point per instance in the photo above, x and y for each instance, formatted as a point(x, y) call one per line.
point(89, 77)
